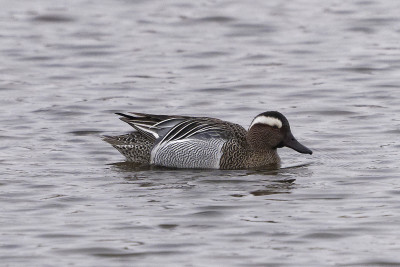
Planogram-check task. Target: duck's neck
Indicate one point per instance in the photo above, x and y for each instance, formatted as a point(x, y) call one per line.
point(260, 143)
point(260, 151)
point(263, 157)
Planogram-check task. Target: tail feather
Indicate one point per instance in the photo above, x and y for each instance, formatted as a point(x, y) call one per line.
point(142, 124)
point(119, 140)
point(134, 146)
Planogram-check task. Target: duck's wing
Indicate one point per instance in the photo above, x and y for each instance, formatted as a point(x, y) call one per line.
point(195, 128)
point(167, 128)
point(151, 125)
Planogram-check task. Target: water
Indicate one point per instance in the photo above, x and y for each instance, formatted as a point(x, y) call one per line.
point(68, 198)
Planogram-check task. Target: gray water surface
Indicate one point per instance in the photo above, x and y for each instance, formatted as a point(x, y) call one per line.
point(68, 199)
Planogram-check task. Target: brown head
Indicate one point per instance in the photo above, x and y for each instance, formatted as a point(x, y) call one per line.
point(271, 130)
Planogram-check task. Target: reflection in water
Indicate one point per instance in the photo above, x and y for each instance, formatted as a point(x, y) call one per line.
point(259, 182)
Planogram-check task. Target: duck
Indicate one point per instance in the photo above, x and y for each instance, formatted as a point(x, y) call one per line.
point(203, 142)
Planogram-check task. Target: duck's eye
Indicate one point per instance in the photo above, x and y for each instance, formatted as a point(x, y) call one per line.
point(275, 127)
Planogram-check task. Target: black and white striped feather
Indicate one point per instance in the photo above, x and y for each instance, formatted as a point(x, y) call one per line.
point(164, 129)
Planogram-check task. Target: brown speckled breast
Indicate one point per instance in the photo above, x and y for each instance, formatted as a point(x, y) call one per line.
point(238, 154)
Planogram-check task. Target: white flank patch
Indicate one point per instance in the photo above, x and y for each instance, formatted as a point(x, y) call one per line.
point(271, 121)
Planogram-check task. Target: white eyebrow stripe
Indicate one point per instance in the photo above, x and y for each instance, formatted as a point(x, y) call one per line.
point(271, 121)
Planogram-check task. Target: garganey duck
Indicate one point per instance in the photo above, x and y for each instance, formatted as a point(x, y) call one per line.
point(205, 143)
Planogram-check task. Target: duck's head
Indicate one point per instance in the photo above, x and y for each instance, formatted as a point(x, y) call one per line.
point(271, 130)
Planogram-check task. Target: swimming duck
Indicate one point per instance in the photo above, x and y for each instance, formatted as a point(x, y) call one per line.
point(205, 143)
